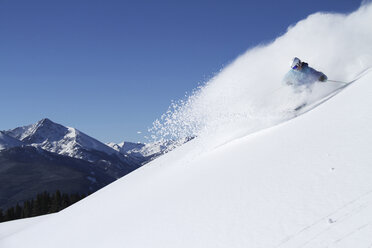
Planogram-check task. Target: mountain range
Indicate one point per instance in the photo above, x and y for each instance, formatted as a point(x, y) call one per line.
point(47, 156)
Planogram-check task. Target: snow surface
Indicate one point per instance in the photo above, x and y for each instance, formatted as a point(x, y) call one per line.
point(279, 182)
point(7, 141)
point(281, 187)
point(11, 227)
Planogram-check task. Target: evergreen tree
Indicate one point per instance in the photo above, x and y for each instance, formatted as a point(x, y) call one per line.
point(36, 208)
point(75, 198)
point(18, 212)
point(9, 214)
point(27, 209)
point(44, 203)
point(65, 201)
point(1, 215)
point(56, 202)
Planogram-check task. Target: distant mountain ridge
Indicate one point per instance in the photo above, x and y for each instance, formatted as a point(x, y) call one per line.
point(46, 156)
point(71, 142)
point(149, 150)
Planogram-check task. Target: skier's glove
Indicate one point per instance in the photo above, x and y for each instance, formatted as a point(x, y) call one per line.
point(323, 78)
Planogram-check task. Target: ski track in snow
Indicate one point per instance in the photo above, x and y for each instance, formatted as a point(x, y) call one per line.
point(310, 234)
point(332, 93)
point(329, 95)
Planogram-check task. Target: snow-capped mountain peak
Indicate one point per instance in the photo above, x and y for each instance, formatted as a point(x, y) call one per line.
point(39, 132)
point(57, 138)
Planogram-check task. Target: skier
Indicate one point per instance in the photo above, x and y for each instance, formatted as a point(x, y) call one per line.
point(303, 75)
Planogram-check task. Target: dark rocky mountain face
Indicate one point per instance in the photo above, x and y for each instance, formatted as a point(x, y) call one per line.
point(27, 171)
point(47, 156)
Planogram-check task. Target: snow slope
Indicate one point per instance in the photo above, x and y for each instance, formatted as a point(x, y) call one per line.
point(7, 141)
point(281, 182)
point(17, 225)
point(304, 183)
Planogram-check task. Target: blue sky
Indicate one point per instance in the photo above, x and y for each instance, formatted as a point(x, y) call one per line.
point(110, 68)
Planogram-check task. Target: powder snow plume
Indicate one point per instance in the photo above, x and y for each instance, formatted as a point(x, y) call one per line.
point(248, 95)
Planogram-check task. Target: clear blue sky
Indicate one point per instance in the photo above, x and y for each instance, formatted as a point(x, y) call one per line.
point(110, 67)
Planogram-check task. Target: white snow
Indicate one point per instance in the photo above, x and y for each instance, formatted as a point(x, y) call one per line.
point(11, 227)
point(278, 182)
point(138, 149)
point(113, 145)
point(275, 188)
point(7, 141)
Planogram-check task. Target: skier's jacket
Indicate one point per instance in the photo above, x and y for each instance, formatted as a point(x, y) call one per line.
point(305, 77)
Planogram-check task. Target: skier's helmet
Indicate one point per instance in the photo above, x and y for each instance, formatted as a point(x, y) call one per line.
point(295, 62)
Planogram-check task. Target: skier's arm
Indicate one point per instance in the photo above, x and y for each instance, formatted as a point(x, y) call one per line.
point(316, 75)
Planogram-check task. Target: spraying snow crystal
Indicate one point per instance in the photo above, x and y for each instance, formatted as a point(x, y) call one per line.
point(248, 95)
